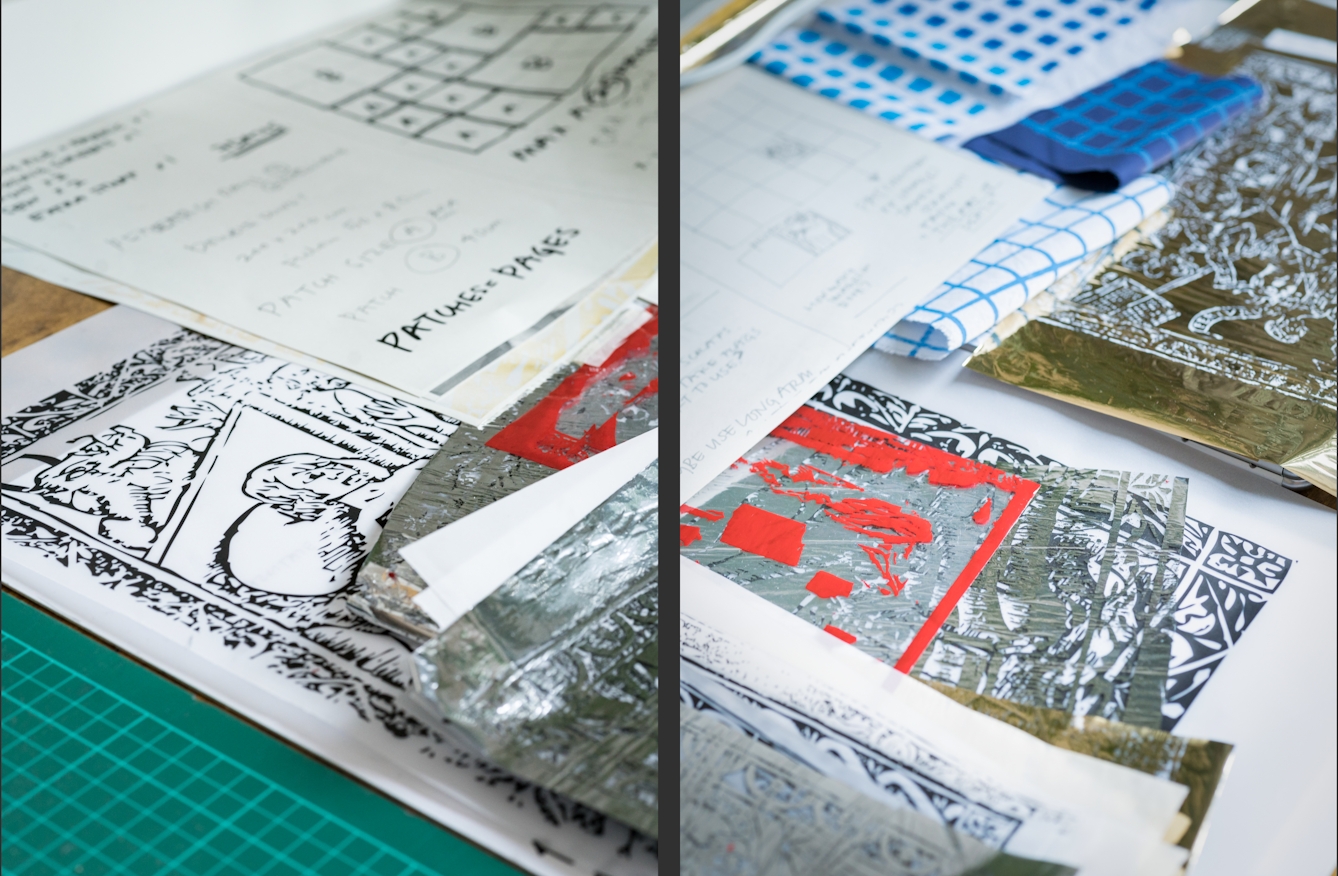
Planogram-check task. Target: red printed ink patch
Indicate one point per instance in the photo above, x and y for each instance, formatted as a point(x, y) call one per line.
point(579, 418)
point(826, 585)
point(687, 534)
point(887, 524)
point(765, 534)
point(841, 634)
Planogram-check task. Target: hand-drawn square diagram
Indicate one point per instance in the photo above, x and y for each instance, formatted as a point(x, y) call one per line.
point(749, 174)
point(459, 76)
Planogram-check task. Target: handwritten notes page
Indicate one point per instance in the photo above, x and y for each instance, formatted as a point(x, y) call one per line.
point(807, 232)
point(402, 198)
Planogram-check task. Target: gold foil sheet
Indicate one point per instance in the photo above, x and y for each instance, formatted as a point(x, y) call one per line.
point(1198, 764)
point(1219, 327)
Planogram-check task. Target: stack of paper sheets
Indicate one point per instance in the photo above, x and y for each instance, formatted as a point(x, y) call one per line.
point(405, 201)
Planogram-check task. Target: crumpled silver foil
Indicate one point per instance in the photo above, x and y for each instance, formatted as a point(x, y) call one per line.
point(465, 475)
point(555, 675)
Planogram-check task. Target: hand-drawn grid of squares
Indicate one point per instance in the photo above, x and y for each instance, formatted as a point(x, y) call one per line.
point(94, 783)
point(459, 76)
point(747, 176)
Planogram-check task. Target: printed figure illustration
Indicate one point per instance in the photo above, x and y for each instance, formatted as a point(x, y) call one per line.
point(122, 478)
point(306, 511)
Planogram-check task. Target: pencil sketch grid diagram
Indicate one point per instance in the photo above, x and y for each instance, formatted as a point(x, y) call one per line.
point(235, 495)
point(739, 171)
point(460, 76)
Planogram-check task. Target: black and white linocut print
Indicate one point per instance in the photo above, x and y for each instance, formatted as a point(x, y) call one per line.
point(236, 495)
point(845, 741)
point(1222, 580)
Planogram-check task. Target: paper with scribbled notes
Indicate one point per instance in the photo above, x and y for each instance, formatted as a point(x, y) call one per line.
point(807, 231)
point(403, 197)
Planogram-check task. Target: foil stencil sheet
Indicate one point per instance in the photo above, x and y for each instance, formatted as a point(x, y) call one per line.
point(746, 808)
point(1074, 612)
point(1198, 764)
point(855, 532)
point(555, 675)
point(1072, 609)
point(1223, 579)
point(1220, 326)
point(575, 412)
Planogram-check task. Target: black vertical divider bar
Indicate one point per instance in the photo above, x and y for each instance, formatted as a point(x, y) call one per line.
point(669, 315)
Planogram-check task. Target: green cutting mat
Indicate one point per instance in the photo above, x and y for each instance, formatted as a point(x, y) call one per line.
point(110, 769)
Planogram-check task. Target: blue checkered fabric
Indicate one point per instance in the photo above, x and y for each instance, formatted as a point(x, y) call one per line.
point(1111, 135)
point(1006, 45)
point(824, 57)
point(1047, 244)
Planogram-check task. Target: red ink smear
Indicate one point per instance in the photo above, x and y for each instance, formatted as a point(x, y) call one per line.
point(982, 515)
point(884, 591)
point(882, 452)
point(895, 529)
point(826, 585)
point(534, 434)
point(703, 514)
point(840, 634)
point(687, 534)
point(769, 535)
point(898, 585)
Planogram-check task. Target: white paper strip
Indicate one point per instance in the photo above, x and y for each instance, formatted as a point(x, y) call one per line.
point(1104, 818)
point(464, 562)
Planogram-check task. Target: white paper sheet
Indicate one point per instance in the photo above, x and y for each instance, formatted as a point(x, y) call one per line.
point(1067, 807)
point(98, 55)
point(476, 400)
point(466, 561)
point(1275, 696)
point(214, 502)
point(401, 198)
point(807, 232)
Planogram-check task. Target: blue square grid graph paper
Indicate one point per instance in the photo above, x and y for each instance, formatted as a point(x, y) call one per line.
point(1133, 124)
point(1050, 242)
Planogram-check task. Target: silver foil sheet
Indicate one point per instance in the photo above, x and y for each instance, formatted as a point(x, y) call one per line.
point(555, 675)
point(1075, 610)
point(467, 473)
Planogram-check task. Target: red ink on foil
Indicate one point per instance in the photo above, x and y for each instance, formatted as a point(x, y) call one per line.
point(840, 634)
point(826, 585)
point(766, 534)
point(894, 528)
point(534, 435)
point(882, 452)
point(982, 515)
point(687, 534)
point(701, 513)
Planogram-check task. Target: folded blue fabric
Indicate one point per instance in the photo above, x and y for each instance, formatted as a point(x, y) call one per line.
point(1133, 124)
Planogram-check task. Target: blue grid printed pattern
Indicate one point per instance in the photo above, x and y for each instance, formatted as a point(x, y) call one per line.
point(1053, 240)
point(1008, 45)
point(881, 82)
point(1122, 129)
point(95, 784)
